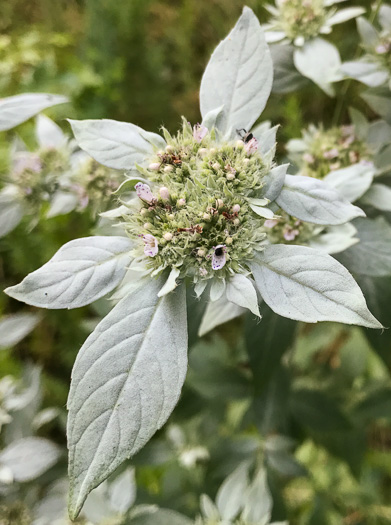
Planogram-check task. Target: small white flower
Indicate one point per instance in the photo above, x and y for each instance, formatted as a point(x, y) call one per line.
point(236, 208)
point(164, 193)
point(218, 257)
point(199, 132)
point(155, 166)
point(144, 192)
point(151, 247)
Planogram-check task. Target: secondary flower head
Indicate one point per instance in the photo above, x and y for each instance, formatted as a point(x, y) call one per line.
point(321, 151)
point(300, 20)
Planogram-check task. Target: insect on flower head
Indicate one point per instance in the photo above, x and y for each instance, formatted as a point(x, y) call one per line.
point(218, 257)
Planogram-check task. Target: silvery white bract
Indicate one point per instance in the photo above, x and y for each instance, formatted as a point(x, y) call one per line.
point(19, 108)
point(239, 501)
point(129, 373)
point(15, 327)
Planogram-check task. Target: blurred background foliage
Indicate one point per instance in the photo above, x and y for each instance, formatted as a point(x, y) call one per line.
point(312, 402)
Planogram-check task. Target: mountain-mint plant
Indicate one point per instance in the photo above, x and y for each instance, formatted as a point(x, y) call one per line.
point(196, 222)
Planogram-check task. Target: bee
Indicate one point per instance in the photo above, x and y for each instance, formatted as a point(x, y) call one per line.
point(246, 136)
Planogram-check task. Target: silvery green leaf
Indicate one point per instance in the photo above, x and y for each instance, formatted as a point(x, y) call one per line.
point(306, 285)
point(29, 457)
point(372, 255)
point(267, 140)
point(217, 289)
point(380, 103)
point(157, 141)
point(378, 135)
point(214, 118)
point(335, 239)
point(171, 283)
point(63, 202)
point(200, 287)
point(262, 211)
point(385, 17)
point(258, 501)
point(383, 160)
point(367, 32)
point(342, 15)
point(80, 272)
point(323, 72)
point(229, 499)
point(208, 508)
point(15, 110)
point(129, 183)
point(315, 201)
point(351, 182)
point(241, 292)
point(274, 181)
point(152, 515)
point(15, 327)
point(368, 73)
point(217, 313)
point(273, 36)
point(359, 122)
point(45, 416)
point(286, 77)
point(239, 76)
point(97, 508)
point(11, 210)
point(126, 381)
point(118, 145)
point(122, 491)
point(378, 196)
point(48, 134)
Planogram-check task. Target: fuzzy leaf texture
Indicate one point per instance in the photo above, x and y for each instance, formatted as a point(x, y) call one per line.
point(118, 145)
point(126, 381)
point(307, 285)
point(80, 272)
point(238, 76)
point(18, 109)
point(315, 201)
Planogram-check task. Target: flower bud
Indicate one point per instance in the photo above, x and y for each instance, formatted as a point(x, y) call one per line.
point(143, 211)
point(206, 216)
point(168, 236)
point(239, 143)
point(228, 240)
point(155, 166)
point(201, 252)
point(181, 202)
point(246, 161)
point(212, 151)
point(216, 166)
point(202, 152)
point(236, 222)
point(230, 176)
point(219, 203)
point(168, 168)
point(164, 193)
point(171, 216)
point(169, 149)
point(236, 208)
point(147, 225)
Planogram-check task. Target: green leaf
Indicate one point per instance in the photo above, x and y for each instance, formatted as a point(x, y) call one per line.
point(314, 201)
point(303, 284)
point(238, 76)
point(316, 410)
point(126, 381)
point(80, 272)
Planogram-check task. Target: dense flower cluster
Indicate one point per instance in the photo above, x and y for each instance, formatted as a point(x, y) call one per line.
point(196, 214)
point(321, 151)
point(298, 18)
point(285, 229)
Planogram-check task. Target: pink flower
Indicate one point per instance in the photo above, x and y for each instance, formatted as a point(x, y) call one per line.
point(218, 257)
point(270, 223)
point(290, 235)
point(251, 146)
point(151, 247)
point(199, 132)
point(307, 157)
point(330, 154)
point(144, 192)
